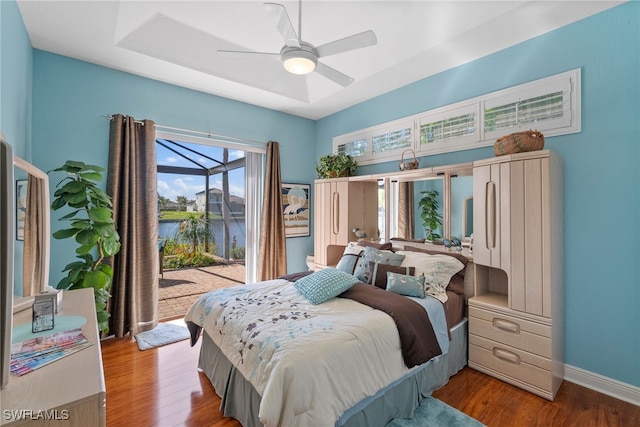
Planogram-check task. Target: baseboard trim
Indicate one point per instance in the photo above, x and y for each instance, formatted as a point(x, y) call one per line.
point(602, 384)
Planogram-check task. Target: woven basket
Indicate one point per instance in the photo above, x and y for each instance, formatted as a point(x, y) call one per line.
point(518, 142)
point(410, 165)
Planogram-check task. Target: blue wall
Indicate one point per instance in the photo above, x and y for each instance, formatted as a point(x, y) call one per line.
point(70, 98)
point(601, 170)
point(16, 64)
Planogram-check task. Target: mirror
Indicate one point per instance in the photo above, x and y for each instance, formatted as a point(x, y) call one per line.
point(30, 256)
point(467, 218)
point(32, 233)
point(405, 221)
point(461, 203)
point(454, 185)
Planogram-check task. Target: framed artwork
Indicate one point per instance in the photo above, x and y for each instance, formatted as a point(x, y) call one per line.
point(296, 210)
point(21, 207)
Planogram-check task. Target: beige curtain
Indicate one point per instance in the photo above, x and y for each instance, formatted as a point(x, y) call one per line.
point(406, 212)
point(32, 268)
point(272, 252)
point(132, 183)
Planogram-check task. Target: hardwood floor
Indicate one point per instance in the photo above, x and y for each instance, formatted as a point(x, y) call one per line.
point(162, 387)
point(496, 403)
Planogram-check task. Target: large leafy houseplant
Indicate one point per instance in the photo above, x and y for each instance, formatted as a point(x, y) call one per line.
point(430, 214)
point(335, 165)
point(93, 228)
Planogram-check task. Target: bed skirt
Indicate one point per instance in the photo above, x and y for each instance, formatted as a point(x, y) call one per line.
point(398, 400)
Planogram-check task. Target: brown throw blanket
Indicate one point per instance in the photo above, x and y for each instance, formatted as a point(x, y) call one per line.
point(417, 338)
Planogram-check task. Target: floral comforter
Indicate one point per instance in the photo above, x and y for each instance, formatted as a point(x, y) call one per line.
point(308, 363)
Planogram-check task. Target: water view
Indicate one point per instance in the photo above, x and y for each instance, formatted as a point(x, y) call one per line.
point(194, 179)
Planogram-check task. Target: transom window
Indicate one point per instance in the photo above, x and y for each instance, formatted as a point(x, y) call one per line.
point(550, 105)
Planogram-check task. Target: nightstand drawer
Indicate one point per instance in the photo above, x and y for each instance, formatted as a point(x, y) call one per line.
point(518, 333)
point(511, 363)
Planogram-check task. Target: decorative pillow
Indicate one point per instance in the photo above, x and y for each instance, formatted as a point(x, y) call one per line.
point(463, 259)
point(370, 254)
point(457, 284)
point(354, 248)
point(382, 246)
point(348, 262)
point(325, 284)
point(406, 285)
point(437, 269)
point(402, 239)
point(457, 281)
point(350, 258)
point(379, 273)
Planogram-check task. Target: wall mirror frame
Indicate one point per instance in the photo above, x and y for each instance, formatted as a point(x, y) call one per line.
point(34, 263)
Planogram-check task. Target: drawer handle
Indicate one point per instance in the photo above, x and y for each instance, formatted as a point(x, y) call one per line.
point(506, 325)
point(506, 355)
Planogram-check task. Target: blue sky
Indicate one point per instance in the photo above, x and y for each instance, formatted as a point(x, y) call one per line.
point(172, 185)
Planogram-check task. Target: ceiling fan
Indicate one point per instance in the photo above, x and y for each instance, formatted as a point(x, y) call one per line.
point(300, 57)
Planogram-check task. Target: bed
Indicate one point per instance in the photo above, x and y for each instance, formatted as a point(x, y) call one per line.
point(278, 359)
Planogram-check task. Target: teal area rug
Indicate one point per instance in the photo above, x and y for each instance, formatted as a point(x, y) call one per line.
point(434, 413)
point(163, 334)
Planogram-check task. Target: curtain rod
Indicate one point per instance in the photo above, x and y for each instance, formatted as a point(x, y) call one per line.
point(187, 132)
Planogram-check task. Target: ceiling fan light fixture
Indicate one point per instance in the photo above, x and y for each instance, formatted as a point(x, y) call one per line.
point(299, 62)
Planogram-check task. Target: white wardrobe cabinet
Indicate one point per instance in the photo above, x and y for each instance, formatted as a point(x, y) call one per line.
point(515, 317)
point(340, 206)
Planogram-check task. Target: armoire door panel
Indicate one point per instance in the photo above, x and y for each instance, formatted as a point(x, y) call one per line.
point(533, 214)
point(502, 253)
point(342, 211)
point(551, 218)
point(517, 278)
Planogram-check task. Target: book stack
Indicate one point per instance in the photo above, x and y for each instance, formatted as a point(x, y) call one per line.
point(34, 353)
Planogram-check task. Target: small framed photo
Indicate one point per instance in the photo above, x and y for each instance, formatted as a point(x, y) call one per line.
point(296, 210)
point(21, 207)
point(44, 307)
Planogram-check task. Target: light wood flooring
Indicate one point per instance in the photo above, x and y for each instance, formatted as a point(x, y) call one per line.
point(162, 387)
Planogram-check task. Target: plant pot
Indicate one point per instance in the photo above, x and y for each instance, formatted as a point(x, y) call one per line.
point(339, 174)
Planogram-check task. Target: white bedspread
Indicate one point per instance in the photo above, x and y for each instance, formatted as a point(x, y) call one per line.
point(308, 363)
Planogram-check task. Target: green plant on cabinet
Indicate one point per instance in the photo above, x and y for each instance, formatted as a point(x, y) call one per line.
point(336, 165)
point(93, 228)
point(431, 217)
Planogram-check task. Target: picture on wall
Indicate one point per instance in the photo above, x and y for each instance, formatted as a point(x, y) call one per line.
point(296, 210)
point(21, 207)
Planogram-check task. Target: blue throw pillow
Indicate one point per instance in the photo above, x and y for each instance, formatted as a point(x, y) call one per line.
point(363, 272)
point(406, 285)
point(325, 284)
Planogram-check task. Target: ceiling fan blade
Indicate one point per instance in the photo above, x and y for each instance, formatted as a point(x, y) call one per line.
point(280, 17)
point(357, 41)
point(334, 75)
point(236, 53)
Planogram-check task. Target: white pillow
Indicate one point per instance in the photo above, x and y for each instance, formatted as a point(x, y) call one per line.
point(437, 269)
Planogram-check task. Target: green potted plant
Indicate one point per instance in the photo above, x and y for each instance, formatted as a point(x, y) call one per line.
point(336, 165)
point(431, 217)
point(93, 228)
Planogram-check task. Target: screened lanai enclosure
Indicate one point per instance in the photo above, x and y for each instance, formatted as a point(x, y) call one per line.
point(201, 188)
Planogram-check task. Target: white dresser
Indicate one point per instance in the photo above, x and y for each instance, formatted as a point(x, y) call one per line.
point(515, 317)
point(71, 389)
